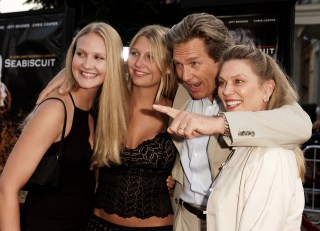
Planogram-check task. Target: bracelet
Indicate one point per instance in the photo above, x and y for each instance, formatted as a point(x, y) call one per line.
point(226, 125)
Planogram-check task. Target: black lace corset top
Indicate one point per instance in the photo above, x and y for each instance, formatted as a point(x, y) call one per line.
point(137, 187)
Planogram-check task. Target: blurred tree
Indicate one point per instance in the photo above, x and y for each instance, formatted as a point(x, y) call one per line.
point(126, 16)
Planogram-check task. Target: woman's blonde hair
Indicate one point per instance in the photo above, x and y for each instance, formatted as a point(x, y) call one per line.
point(111, 127)
point(267, 69)
point(161, 57)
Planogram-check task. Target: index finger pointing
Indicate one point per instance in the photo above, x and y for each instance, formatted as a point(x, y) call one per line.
point(166, 110)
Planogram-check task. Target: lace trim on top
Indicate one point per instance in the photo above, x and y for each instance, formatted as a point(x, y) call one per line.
point(137, 187)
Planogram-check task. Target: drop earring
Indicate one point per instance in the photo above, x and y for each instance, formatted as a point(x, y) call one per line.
point(265, 98)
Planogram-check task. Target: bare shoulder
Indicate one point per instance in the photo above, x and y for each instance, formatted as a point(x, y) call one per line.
point(55, 94)
point(51, 99)
point(52, 105)
point(45, 122)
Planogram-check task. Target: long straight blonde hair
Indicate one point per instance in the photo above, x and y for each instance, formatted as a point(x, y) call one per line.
point(112, 122)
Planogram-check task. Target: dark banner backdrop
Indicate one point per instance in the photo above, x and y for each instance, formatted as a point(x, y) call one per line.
point(33, 45)
point(256, 29)
point(269, 23)
point(32, 49)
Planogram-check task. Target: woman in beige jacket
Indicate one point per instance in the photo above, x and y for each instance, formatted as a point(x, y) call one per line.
point(257, 188)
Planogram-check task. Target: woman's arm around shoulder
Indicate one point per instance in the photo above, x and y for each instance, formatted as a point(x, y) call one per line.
point(58, 82)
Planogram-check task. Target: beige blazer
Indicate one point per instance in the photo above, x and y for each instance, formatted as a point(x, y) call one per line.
point(257, 189)
point(286, 127)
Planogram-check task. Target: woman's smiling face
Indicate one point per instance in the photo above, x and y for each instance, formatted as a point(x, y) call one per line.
point(89, 63)
point(142, 68)
point(240, 88)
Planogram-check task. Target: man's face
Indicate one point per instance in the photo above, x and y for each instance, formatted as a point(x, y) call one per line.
point(195, 68)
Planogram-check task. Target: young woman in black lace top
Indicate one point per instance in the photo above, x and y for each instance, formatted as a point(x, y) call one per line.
point(132, 190)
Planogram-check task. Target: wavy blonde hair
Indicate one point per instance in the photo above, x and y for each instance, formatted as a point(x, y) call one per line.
point(111, 127)
point(161, 57)
point(267, 68)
